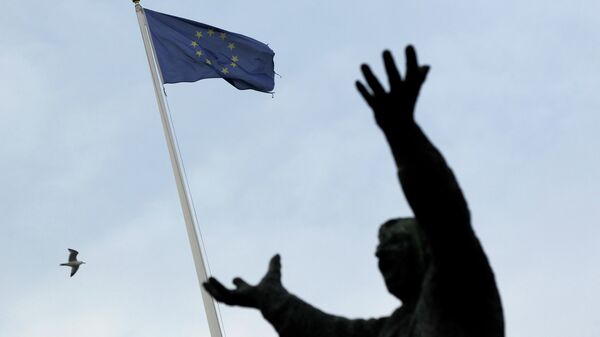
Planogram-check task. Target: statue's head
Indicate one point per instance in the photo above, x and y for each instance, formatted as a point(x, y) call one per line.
point(403, 256)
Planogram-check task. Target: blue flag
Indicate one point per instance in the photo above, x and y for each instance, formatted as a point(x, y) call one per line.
point(189, 51)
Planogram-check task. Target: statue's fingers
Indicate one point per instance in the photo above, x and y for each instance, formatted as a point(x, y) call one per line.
point(392, 71)
point(218, 291)
point(372, 80)
point(423, 71)
point(240, 283)
point(412, 66)
point(365, 93)
point(274, 272)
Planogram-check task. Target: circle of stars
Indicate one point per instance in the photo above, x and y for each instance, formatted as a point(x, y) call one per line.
point(209, 33)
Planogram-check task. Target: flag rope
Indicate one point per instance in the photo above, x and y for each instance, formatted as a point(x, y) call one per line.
point(186, 181)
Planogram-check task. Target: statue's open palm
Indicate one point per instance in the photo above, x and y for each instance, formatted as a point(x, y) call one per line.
point(247, 295)
point(395, 108)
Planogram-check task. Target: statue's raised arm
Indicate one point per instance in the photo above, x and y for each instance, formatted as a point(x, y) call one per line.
point(428, 183)
point(457, 295)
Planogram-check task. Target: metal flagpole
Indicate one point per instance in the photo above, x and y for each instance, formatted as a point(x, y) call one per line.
point(209, 304)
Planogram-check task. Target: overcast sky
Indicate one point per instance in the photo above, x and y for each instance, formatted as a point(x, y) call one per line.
point(511, 101)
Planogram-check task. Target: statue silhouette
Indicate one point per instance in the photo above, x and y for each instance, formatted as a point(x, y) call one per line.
point(433, 263)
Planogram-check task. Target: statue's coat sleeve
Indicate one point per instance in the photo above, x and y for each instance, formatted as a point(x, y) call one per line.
point(292, 317)
point(459, 295)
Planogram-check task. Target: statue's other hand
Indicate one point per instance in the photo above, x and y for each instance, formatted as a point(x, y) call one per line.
point(243, 295)
point(395, 108)
point(247, 295)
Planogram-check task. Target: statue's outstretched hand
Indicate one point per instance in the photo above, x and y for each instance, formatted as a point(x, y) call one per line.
point(247, 295)
point(394, 109)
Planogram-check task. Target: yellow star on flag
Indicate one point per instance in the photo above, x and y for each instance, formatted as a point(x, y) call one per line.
point(225, 71)
point(223, 36)
point(194, 44)
point(233, 64)
point(198, 34)
point(199, 53)
point(231, 45)
point(208, 61)
point(235, 58)
point(211, 32)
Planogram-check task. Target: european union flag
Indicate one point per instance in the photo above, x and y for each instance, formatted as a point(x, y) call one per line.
point(189, 51)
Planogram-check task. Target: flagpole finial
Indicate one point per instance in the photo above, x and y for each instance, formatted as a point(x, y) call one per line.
point(137, 2)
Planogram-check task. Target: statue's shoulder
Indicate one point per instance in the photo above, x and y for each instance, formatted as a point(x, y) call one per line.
point(463, 305)
point(398, 324)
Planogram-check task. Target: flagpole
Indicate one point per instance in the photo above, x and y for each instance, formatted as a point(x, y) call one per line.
point(209, 304)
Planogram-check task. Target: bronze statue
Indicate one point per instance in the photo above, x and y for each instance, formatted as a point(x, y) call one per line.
point(433, 263)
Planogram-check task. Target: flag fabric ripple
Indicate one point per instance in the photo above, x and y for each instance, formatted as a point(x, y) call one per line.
point(189, 51)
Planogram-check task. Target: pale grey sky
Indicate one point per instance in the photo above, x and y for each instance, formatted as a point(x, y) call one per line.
point(511, 102)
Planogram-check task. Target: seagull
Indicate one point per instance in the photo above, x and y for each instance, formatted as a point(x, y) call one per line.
point(73, 263)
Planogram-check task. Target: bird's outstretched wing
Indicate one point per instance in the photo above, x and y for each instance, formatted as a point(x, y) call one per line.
point(73, 256)
point(74, 269)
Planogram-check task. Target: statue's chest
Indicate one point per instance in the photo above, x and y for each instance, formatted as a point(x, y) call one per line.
point(398, 327)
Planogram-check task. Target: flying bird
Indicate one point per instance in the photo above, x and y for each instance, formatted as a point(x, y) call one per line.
point(73, 263)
